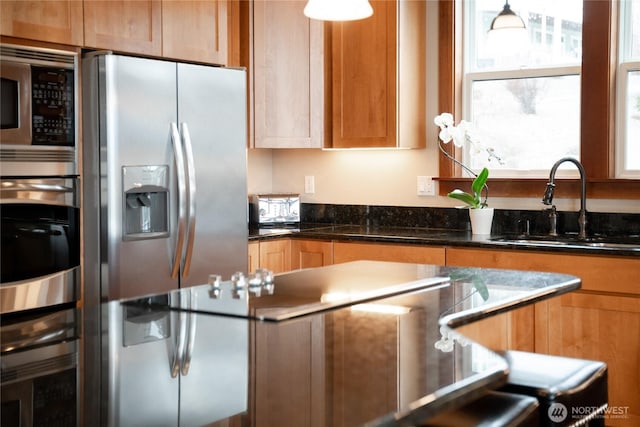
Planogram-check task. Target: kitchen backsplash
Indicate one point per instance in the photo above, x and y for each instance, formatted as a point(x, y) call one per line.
point(505, 221)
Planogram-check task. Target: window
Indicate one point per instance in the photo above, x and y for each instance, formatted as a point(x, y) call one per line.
point(628, 94)
point(523, 93)
point(599, 102)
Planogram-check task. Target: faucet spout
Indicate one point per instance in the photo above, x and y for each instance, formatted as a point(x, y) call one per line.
point(547, 199)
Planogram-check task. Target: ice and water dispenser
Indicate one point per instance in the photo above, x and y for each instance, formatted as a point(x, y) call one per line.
point(146, 202)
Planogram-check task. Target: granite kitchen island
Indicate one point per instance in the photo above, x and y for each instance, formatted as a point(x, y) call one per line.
point(361, 343)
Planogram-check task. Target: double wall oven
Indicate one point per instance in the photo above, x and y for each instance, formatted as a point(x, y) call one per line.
point(40, 251)
point(39, 188)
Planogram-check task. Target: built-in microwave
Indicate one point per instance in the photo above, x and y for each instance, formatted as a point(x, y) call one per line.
point(38, 111)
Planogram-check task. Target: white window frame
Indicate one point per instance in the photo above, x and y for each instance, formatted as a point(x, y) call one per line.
point(527, 72)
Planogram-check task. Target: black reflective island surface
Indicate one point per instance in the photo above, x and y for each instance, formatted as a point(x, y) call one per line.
point(361, 343)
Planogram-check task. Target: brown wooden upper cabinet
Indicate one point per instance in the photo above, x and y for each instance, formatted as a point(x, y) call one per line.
point(49, 21)
point(378, 88)
point(177, 29)
point(125, 26)
point(287, 75)
point(356, 84)
point(204, 31)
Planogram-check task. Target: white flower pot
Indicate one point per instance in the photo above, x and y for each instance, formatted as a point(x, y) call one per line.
point(481, 220)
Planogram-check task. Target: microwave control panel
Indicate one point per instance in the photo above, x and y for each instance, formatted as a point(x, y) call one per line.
point(52, 94)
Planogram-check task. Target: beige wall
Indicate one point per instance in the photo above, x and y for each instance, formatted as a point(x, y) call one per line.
point(383, 177)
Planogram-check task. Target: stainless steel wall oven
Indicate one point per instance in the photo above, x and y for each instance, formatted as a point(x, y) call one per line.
point(40, 368)
point(40, 249)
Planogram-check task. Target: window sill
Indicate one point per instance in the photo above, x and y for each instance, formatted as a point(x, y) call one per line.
point(534, 187)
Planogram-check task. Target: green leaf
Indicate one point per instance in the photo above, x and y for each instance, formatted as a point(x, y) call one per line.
point(465, 198)
point(481, 287)
point(479, 182)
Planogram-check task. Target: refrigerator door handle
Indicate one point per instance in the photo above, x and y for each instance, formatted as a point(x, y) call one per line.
point(176, 357)
point(191, 338)
point(181, 336)
point(191, 203)
point(182, 202)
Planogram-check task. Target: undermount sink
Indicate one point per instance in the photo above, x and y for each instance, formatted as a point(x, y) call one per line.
point(572, 241)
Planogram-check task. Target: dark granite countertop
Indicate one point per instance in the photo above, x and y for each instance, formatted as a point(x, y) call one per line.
point(621, 246)
point(210, 354)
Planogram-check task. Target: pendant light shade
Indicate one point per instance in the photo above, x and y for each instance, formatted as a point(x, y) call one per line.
point(507, 20)
point(338, 10)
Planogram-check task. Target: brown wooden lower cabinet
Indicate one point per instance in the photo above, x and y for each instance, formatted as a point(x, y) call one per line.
point(253, 252)
point(600, 322)
point(275, 255)
point(282, 255)
point(311, 253)
point(607, 328)
point(289, 373)
point(389, 359)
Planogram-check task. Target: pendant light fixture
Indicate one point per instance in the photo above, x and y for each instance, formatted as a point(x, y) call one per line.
point(338, 10)
point(507, 20)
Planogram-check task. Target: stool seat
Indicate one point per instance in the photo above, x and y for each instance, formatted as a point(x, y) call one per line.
point(570, 391)
point(493, 409)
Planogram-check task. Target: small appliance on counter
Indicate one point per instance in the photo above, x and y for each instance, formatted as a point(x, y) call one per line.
point(275, 210)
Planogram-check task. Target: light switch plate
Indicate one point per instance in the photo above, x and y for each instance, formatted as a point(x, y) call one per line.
point(425, 186)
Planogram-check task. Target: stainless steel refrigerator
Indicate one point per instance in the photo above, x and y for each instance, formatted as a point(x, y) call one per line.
point(164, 174)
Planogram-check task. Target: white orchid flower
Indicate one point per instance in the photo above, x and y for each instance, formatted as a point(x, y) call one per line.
point(445, 135)
point(459, 136)
point(444, 120)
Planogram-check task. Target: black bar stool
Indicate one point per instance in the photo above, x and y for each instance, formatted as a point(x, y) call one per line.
point(493, 409)
point(569, 391)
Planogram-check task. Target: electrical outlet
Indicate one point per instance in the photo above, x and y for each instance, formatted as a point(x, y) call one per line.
point(426, 186)
point(309, 184)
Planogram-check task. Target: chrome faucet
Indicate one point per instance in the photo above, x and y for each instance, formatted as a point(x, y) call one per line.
point(547, 199)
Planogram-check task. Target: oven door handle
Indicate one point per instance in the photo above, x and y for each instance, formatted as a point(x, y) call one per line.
point(57, 191)
point(11, 186)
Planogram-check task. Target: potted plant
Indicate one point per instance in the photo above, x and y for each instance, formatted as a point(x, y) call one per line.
point(480, 214)
point(473, 199)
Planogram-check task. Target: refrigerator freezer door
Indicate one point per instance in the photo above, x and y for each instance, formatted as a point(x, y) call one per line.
point(139, 107)
point(212, 109)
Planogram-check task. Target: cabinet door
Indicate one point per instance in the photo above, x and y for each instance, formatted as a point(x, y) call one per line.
point(50, 21)
point(126, 26)
point(378, 86)
point(196, 30)
point(275, 255)
point(289, 373)
point(365, 357)
point(253, 262)
point(288, 76)
point(348, 251)
point(513, 330)
point(602, 327)
point(364, 79)
point(311, 253)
